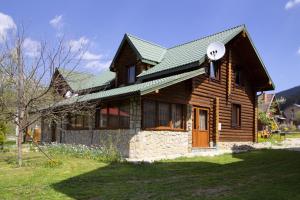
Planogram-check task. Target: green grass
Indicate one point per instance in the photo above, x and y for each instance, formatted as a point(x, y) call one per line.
point(267, 174)
point(293, 135)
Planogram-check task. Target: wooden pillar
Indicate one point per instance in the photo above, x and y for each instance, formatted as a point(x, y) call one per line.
point(217, 105)
point(229, 75)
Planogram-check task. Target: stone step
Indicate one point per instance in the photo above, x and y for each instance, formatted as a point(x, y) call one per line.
point(208, 149)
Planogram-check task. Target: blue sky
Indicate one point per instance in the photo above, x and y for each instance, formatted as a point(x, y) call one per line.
point(274, 26)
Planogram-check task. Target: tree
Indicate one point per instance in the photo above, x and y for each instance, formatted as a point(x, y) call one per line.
point(27, 89)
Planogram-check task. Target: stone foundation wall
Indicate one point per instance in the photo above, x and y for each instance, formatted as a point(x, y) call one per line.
point(154, 145)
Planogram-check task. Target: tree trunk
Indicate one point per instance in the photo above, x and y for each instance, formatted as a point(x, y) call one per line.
point(20, 140)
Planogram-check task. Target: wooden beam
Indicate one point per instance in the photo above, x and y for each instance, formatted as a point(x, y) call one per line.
point(217, 105)
point(229, 74)
point(255, 135)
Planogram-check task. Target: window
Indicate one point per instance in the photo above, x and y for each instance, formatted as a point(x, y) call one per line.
point(161, 115)
point(236, 115)
point(177, 115)
point(149, 114)
point(203, 120)
point(78, 121)
point(238, 77)
point(124, 115)
point(113, 116)
point(214, 70)
point(131, 74)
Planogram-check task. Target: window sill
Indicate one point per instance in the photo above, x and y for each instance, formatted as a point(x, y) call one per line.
point(164, 129)
point(109, 128)
point(236, 127)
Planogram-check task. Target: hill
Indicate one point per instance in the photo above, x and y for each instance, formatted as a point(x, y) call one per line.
point(291, 95)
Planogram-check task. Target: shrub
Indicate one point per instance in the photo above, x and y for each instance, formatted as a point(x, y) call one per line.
point(104, 153)
point(3, 132)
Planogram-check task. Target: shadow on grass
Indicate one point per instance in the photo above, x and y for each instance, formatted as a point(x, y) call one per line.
point(267, 174)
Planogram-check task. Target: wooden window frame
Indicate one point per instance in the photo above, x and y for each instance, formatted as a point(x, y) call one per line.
point(241, 85)
point(170, 126)
point(108, 127)
point(70, 125)
point(128, 74)
point(236, 126)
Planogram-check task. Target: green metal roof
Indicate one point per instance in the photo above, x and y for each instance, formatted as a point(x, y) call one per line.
point(191, 52)
point(81, 81)
point(147, 50)
point(140, 88)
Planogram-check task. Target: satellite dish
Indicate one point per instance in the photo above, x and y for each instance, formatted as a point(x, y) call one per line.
point(68, 94)
point(215, 50)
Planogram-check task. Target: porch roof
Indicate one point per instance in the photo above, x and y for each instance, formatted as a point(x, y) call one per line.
point(140, 88)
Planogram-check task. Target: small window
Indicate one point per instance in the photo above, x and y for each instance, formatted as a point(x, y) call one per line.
point(236, 115)
point(149, 114)
point(238, 77)
point(131, 74)
point(214, 70)
point(203, 120)
point(103, 117)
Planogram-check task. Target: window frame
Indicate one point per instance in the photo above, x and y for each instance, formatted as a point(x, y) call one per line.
point(170, 126)
point(84, 121)
point(107, 106)
point(241, 83)
point(239, 125)
point(129, 74)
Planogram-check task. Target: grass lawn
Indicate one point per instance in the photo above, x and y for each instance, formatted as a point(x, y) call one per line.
point(267, 174)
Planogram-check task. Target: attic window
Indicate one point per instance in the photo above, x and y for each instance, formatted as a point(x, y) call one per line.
point(131, 74)
point(238, 77)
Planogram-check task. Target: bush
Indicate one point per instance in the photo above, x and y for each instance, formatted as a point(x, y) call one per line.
point(3, 132)
point(104, 153)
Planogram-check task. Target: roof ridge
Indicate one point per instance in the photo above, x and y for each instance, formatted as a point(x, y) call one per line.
point(242, 25)
point(152, 43)
point(75, 71)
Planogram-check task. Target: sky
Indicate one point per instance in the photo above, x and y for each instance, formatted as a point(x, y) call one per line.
point(274, 26)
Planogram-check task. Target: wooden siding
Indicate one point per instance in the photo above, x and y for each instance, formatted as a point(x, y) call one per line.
point(205, 90)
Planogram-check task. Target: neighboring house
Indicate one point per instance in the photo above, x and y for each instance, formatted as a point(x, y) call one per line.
point(268, 104)
point(290, 113)
point(160, 102)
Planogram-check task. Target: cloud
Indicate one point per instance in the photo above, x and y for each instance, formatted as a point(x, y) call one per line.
point(90, 59)
point(7, 25)
point(298, 51)
point(291, 4)
point(98, 65)
point(32, 48)
point(57, 22)
point(76, 45)
point(90, 56)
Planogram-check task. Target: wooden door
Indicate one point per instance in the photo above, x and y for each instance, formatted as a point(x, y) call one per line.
point(200, 127)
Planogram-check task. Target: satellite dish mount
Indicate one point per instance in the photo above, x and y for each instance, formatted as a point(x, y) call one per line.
point(215, 51)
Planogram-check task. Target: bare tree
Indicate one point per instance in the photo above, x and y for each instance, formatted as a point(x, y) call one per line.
point(28, 90)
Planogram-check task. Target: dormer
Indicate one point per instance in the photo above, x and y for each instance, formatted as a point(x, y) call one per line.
point(134, 56)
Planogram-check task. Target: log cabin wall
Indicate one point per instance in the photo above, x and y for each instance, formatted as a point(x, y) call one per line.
point(205, 91)
point(126, 58)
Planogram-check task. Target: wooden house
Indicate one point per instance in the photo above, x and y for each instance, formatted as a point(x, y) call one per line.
point(157, 102)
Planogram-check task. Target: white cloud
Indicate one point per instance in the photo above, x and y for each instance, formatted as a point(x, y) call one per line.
point(57, 22)
point(90, 59)
point(76, 45)
point(90, 56)
point(31, 47)
point(291, 3)
point(98, 65)
point(7, 25)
